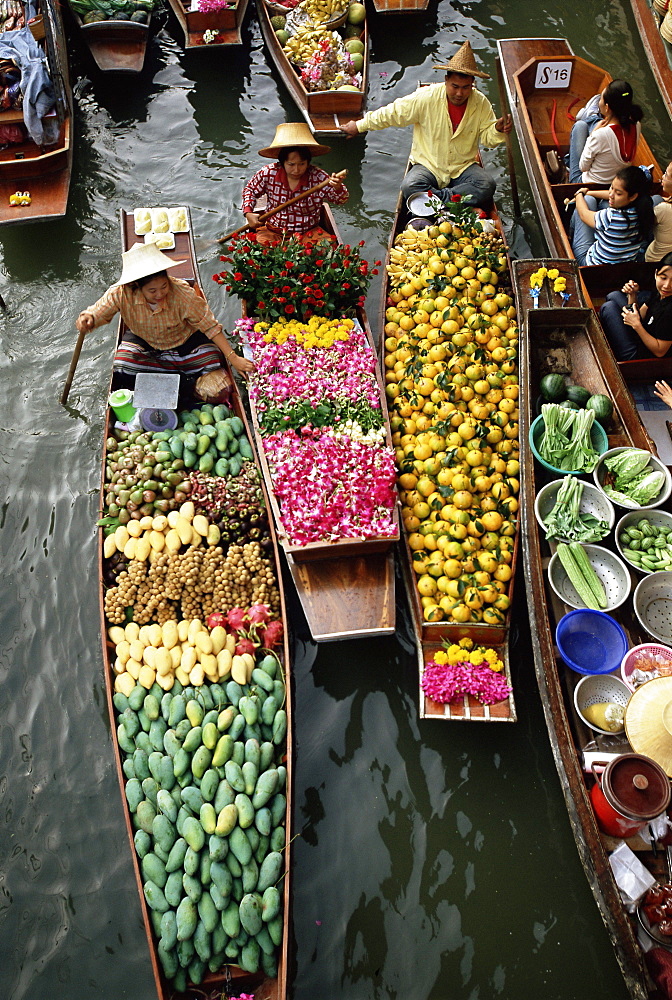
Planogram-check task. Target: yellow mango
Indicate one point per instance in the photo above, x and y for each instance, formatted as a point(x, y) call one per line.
point(124, 683)
point(169, 634)
point(132, 631)
point(123, 650)
point(116, 633)
point(196, 675)
point(134, 529)
point(157, 540)
point(136, 649)
point(218, 636)
point(163, 661)
point(187, 510)
point(224, 662)
point(201, 524)
point(109, 546)
point(142, 549)
point(165, 681)
point(184, 530)
point(121, 536)
point(129, 548)
point(146, 677)
point(203, 642)
point(133, 667)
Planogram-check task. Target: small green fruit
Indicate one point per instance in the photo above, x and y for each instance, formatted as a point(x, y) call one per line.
point(356, 13)
point(354, 45)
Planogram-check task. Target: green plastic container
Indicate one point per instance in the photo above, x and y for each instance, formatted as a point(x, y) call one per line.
point(121, 403)
point(598, 437)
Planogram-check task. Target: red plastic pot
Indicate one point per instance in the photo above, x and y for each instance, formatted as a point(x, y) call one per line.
point(632, 790)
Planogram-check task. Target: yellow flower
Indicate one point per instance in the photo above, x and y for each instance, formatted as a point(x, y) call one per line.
point(553, 273)
point(440, 657)
point(542, 272)
point(560, 284)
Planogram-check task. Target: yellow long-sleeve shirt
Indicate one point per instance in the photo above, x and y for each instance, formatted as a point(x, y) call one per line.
point(446, 153)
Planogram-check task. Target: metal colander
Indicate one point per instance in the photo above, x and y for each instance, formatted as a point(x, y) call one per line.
point(611, 571)
point(652, 602)
point(595, 689)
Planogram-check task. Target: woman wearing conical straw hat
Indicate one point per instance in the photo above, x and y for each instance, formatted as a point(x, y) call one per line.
point(170, 327)
point(450, 120)
point(293, 148)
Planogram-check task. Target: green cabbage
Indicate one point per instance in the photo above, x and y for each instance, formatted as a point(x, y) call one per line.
point(627, 464)
point(647, 489)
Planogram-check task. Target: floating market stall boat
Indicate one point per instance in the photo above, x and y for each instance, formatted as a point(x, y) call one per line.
point(344, 578)
point(657, 48)
point(218, 23)
point(116, 32)
point(308, 60)
point(425, 367)
point(36, 155)
point(544, 82)
point(197, 677)
point(563, 350)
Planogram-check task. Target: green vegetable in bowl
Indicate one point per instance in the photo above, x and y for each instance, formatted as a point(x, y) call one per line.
point(631, 481)
point(566, 442)
point(627, 464)
point(566, 520)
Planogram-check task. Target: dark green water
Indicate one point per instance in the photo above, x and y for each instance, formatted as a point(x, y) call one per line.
point(435, 861)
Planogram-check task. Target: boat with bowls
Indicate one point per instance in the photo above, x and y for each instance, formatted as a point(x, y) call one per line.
point(196, 666)
point(448, 349)
point(545, 82)
point(322, 59)
point(36, 157)
point(596, 660)
point(218, 23)
point(345, 580)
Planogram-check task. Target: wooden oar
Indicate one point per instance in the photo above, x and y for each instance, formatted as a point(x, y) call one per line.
point(73, 365)
point(266, 215)
point(509, 152)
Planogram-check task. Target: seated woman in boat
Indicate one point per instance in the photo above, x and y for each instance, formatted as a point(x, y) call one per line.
point(662, 230)
point(620, 232)
point(638, 324)
point(292, 174)
point(605, 135)
point(173, 328)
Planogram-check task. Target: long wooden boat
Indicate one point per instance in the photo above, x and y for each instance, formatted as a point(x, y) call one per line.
point(223, 26)
point(117, 46)
point(544, 82)
point(657, 50)
point(347, 586)
point(569, 341)
point(41, 171)
point(431, 635)
point(230, 978)
point(323, 110)
point(400, 6)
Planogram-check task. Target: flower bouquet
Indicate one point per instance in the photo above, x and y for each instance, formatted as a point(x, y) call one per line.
point(461, 669)
point(290, 279)
point(557, 280)
point(317, 404)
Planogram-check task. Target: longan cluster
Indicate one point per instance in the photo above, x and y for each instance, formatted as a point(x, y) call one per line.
point(197, 581)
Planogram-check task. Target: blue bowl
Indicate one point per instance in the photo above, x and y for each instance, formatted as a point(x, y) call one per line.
point(591, 642)
point(598, 437)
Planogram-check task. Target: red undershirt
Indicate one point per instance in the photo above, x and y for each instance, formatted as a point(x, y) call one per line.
point(456, 114)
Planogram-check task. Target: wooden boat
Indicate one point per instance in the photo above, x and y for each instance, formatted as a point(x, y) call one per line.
point(225, 24)
point(657, 50)
point(41, 171)
point(116, 46)
point(400, 6)
point(346, 587)
point(324, 110)
point(429, 636)
point(230, 977)
point(570, 341)
point(541, 119)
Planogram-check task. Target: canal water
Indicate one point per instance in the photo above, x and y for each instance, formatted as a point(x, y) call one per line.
point(432, 861)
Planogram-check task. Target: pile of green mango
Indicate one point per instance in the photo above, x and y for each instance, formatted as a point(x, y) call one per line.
point(207, 796)
point(209, 437)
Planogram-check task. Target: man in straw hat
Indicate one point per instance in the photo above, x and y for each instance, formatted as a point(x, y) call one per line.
point(450, 121)
point(293, 148)
point(173, 328)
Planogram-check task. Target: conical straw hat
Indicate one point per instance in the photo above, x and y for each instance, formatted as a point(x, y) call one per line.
point(647, 718)
point(463, 62)
point(293, 134)
point(142, 260)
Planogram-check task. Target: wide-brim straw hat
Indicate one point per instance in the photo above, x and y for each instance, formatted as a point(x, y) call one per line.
point(142, 260)
point(293, 134)
point(463, 62)
point(647, 718)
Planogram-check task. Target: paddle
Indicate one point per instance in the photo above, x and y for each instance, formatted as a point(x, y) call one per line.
point(509, 151)
point(73, 365)
point(266, 215)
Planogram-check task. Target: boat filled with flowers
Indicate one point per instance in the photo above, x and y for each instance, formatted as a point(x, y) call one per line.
point(198, 689)
point(321, 428)
point(449, 349)
point(210, 24)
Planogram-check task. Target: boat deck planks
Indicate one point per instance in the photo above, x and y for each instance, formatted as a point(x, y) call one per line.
point(263, 989)
point(323, 110)
point(573, 332)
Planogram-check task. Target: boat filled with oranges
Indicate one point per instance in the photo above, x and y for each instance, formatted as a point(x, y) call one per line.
point(449, 349)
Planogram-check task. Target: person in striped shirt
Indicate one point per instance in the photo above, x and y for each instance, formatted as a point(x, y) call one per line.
point(292, 175)
point(170, 327)
point(619, 232)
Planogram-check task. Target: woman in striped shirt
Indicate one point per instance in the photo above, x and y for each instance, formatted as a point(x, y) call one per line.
point(620, 232)
point(293, 173)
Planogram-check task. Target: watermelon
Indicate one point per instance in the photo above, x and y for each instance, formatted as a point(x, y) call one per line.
point(569, 405)
point(578, 394)
point(553, 388)
point(602, 407)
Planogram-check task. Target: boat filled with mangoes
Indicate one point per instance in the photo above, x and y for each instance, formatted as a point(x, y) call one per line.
point(449, 349)
point(197, 673)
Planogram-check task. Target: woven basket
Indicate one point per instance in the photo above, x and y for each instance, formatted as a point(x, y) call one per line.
point(335, 22)
point(666, 27)
point(660, 6)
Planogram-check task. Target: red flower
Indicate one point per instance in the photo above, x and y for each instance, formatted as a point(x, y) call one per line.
point(286, 289)
point(347, 285)
point(456, 197)
point(237, 276)
point(289, 309)
point(282, 300)
point(361, 243)
point(261, 305)
point(319, 263)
